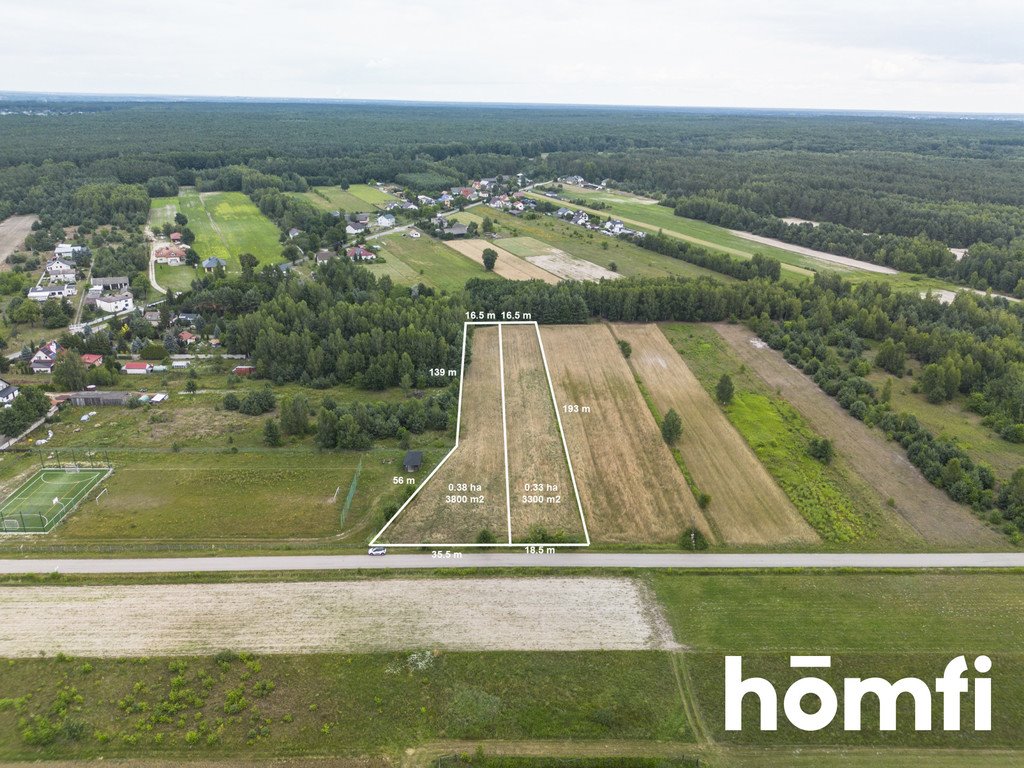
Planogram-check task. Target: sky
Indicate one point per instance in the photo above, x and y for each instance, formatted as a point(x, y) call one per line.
point(902, 55)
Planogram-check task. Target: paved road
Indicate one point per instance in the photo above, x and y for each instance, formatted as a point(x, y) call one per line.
point(517, 560)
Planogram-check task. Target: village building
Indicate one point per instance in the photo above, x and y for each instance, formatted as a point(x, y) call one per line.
point(136, 368)
point(115, 302)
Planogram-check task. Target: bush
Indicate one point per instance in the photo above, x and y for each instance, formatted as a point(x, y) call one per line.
point(231, 402)
point(692, 539)
point(671, 427)
point(257, 402)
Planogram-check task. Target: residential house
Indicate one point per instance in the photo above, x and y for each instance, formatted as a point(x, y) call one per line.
point(7, 392)
point(44, 358)
point(355, 228)
point(580, 218)
point(425, 200)
point(111, 283)
point(563, 213)
point(171, 255)
point(186, 338)
point(65, 251)
point(152, 317)
point(359, 253)
point(60, 268)
point(136, 368)
point(614, 227)
point(323, 256)
point(385, 220)
point(92, 361)
point(115, 302)
point(43, 293)
point(293, 233)
point(445, 199)
point(407, 206)
point(187, 319)
point(285, 267)
point(576, 181)
point(214, 263)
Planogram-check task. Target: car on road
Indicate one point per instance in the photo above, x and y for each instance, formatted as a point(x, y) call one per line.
point(377, 551)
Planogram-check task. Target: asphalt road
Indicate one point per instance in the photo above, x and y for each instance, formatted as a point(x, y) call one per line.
point(280, 563)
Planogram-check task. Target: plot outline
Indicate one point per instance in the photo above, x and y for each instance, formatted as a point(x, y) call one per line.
point(375, 541)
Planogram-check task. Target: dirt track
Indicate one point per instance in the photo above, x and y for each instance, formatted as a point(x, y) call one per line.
point(529, 614)
point(883, 464)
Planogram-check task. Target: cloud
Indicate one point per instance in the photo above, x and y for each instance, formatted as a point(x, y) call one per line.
point(871, 54)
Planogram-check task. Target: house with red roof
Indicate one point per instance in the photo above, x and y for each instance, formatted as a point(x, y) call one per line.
point(92, 361)
point(186, 337)
point(138, 367)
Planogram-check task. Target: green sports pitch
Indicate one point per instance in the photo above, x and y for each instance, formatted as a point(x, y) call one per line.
point(46, 498)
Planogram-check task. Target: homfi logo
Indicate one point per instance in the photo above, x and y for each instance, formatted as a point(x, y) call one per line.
point(952, 686)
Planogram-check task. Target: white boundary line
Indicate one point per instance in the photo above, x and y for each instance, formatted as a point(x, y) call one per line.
point(375, 541)
point(504, 431)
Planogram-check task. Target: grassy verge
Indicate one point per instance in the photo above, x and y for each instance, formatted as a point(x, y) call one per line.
point(329, 704)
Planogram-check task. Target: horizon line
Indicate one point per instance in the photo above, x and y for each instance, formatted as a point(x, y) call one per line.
point(98, 96)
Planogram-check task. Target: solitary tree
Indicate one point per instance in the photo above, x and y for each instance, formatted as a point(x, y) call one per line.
point(490, 258)
point(724, 390)
point(271, 433)
point(69, 372)
point(671, 427)
point(821, 448)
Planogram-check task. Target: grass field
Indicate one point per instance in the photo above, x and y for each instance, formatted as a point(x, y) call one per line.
point(46, 498)
point(425, 260)
point(873, 624)
point(332, 199)
point(330, 704)
point(508, 266)
point(747, 507)
point(952, 420)
point(177, 279)
point(631, 488)
point(630, 260)
point(882, 464)
point(226, 225)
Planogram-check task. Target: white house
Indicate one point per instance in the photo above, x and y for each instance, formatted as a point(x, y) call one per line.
point(7, 392)
point(614, 227)
point(116, 302)
point(67, 251)
point(137, 368)
point(42, 293)
point(60, 268)
point(385, 220)
point(355, 228)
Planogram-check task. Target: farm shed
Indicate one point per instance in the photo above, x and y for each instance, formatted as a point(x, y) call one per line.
point(413, 461)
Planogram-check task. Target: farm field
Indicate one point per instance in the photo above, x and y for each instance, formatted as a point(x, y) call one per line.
point(647, 214)
point(843, 506)
point(652, 217)
point(467, 495)
point(935, 517)
point(555, 261)
point(425, 260)
point(332, 199)
point(880, 624)
point(952, 420)
point(747, 507)
point(631, 487)
point(508, 266)
point(13, 231)
point(630, 260)
point(538, 472)
point(340, 704)
point(226, 224)
point(485, 614)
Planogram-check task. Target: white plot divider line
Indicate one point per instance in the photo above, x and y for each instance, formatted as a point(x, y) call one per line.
point(458, 432)
point(504, 433)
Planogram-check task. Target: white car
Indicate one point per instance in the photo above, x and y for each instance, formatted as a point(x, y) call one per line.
point(377, 551)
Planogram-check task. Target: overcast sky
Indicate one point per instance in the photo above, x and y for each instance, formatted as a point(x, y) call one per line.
point(924, 55)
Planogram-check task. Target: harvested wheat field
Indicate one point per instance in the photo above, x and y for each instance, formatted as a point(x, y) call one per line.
point(556, 261)
point(476, 471)
point(747, 507)
point(542, 494)
point(631, 488)
point(883, 464)
point(508, 265)
point(528, 614)
point(13, 231)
